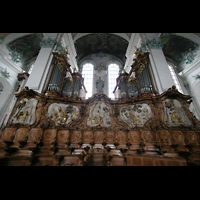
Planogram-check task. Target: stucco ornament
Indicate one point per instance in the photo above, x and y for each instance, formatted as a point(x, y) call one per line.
point(174, 113)
point(25, 113)
point(99, 115)
point(136, 115)
point(62, 114)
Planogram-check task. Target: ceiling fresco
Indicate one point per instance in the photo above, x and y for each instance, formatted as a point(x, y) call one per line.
point(106, 43)
point(174, 46)
point(25, 49)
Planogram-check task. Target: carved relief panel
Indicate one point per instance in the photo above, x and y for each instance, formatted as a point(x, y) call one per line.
point(87, 137)
point(21, 134)
point(49, 136)
point(136, 114)
point(177, 137)
point(110, 137)
point(63, 114)
point(164, 137)
point(25, 113)
point(99, 115)
point(62, 136)
point(135, 137)
point(122, 137)
point(98, 137)
point(191, 137)
point(148, 137)
point(75, 137)
point(174, 113)
point(35, 135)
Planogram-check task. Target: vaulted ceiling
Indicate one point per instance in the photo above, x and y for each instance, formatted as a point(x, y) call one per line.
point(105, 43)
point(93, 43)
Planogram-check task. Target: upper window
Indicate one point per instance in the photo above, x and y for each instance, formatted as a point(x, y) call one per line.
point(176, 82)
point(87, 74)
point(113, 73)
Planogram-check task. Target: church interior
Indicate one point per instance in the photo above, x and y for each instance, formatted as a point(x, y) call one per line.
point(99, 99)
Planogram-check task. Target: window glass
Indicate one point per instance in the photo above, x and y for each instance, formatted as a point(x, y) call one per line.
point(87, 74)
point(113, 73)
point(176, 82)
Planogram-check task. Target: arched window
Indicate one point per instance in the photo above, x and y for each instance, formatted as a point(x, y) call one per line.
point(176, 82)
point(113, 73)
point(87, 74)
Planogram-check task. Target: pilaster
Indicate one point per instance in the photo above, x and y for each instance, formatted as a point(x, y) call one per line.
point(42, 63)
point(158, 62)
point(133, 44)
point(69, 44)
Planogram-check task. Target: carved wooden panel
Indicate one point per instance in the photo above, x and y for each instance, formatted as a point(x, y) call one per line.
point(117, 161)
point(135, 137)
point(62, 136)
point(46, 161)
point(164, 137)
point(49, 136)
point(71, 161)
point(8, 134)
point(98, 137)
point(198, 136)
point(87, 137)
point(122, 137)
point(21, 134)
point(148, 136)
point(191, 137)
point(75, 136)
point(177, 137)
point(35, 135)
point(110, 137)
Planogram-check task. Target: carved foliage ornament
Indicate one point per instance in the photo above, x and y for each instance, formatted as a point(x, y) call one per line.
point(136, 114)
point(63, 114)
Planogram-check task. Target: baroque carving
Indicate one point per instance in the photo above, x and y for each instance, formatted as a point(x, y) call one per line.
point(63, 114)
point(99, 115)
point(136, 114)
point(174, 113)
point(25, 113)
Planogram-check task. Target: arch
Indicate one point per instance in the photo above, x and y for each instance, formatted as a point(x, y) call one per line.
point(6, 84)
point(122, 35)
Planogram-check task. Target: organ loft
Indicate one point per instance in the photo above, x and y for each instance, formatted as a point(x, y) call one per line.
point(99, 99)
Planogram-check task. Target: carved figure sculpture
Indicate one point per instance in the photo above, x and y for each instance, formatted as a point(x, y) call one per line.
point(100, 85)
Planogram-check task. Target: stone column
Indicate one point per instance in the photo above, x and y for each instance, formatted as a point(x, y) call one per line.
point(161, 73)
point(42, 64)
